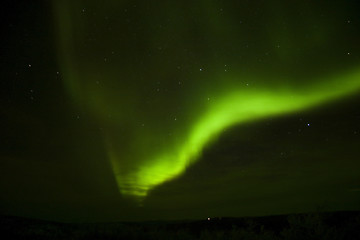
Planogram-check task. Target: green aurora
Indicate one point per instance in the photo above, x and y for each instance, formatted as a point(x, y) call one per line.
point(147, 159)
point(234, 108)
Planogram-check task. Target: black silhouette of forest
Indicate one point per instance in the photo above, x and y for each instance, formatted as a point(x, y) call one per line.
point(328, 225)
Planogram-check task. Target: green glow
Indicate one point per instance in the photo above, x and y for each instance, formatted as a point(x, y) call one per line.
point(235, 108)
point(142, 159)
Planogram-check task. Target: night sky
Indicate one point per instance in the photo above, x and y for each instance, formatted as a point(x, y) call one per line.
point(155, 110)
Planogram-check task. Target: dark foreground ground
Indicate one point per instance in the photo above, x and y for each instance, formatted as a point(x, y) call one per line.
point(334, 225)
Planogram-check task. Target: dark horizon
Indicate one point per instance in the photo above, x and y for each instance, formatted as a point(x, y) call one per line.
point(334, 225)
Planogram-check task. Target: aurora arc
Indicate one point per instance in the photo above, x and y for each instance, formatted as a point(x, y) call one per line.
point(233, 107)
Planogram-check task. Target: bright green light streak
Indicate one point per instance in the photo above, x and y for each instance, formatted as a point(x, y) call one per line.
point(235, 108)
